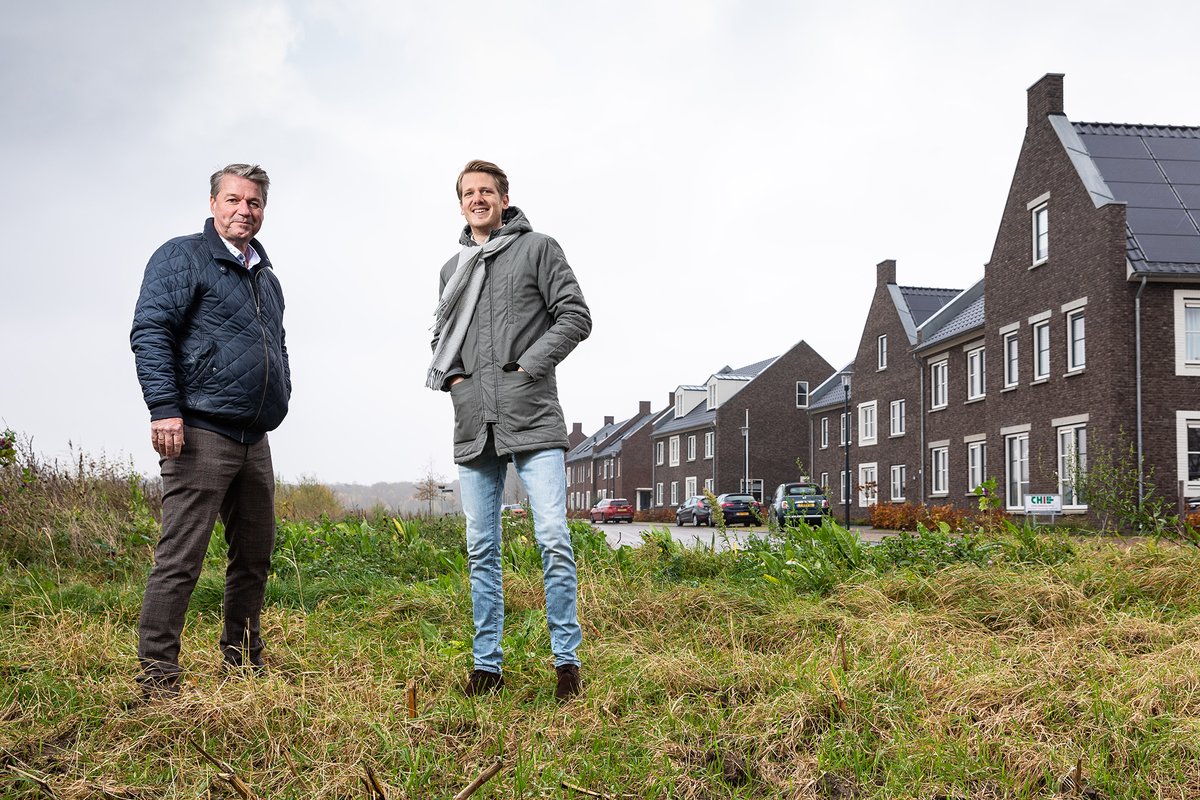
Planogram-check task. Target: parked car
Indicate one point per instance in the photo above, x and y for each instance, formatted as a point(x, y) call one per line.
point(612, 509)
point(512, 510)
point(738, 507)
point(800, 501)
point(694, 510)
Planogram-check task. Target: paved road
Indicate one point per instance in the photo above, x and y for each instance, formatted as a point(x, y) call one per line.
point(619, 533)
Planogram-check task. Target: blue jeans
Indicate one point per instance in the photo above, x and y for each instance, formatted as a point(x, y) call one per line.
point(481, 482)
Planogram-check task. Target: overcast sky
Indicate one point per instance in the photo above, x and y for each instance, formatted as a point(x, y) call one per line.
point(723, 177)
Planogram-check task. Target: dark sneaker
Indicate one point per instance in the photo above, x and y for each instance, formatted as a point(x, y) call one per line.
point(480, 681)
point(235, 663)
point(156, 689)
point(568, 682)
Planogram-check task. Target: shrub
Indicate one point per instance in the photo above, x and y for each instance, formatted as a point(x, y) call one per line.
point(656, 514)
point(308, 499)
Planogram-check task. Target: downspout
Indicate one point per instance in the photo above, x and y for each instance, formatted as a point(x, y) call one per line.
point(1137, 357)
point(921, 428)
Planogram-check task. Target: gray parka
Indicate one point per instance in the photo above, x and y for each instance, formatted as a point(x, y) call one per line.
point(530, 314)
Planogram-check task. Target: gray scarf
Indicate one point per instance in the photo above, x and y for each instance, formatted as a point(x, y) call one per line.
point(457, 305)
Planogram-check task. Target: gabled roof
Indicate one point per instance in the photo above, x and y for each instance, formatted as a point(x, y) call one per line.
point(961, 315)
point(746, 373)
point(695, 418)
point(830, 393)
point(915, 304)
point(584, 448)
point(613, 447)
point(1155, 171)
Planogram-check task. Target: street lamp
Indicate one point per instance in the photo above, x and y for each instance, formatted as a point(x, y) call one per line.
point(846, 434)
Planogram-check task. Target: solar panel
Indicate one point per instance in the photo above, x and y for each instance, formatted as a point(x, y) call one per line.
point(1170, 248)
point(1146, 195)
point(1181, 172)
point(1114, 146)
point(1190, 196)
point(1137, 170)
point(1173, 221)
point(1174, 149)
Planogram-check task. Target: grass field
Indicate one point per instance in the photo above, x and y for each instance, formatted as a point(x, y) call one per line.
point(932, 666)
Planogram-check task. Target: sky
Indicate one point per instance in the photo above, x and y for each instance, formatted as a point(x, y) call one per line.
point(723, 177)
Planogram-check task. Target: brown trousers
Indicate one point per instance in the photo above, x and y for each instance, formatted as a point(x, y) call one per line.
point(213, 475)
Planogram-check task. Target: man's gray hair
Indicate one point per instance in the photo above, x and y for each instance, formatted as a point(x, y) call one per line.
point(251, 172)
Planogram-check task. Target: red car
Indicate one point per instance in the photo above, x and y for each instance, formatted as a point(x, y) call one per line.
point(612, 510)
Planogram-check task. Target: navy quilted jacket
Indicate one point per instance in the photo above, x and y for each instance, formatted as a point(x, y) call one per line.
point(208, 338)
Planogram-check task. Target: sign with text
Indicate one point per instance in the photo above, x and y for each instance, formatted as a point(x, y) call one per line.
point(1043, 504)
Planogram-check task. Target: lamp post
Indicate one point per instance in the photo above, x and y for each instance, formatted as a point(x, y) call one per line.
point(846, 433)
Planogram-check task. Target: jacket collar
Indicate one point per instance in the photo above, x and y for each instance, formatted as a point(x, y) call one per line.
point(221, 253)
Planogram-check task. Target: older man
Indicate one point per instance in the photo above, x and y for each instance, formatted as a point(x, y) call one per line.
point(208, 341)
point(510, 311)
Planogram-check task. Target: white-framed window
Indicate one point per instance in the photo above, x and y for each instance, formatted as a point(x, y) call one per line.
point(882, 351)
point(938, 372)
point(801, 394)
point(845, 432)
point(712, 396)
point(1039, 218)
point(824, 432)
point(673, 450)
point(976, 464)
point(689, 487)
point(1041, 350)
point(825, 481)
point(709, 441)
point(939, 470)
point(708, 484)
point(691, 450)
point(658, 454)
point(1187, 332)
point(1076, 349)
point(753, 487)
point(658, 494)
point(1187, 446)
point(1016, 470)
point(618, 466)
point(674, 493)
point(976, 374)
point(868, 485)
point(1012, 373)
point(866, 423)
point(897, 487)
point(587, 498)
point(897, 414)
point(845, 498)
point(1072, 462)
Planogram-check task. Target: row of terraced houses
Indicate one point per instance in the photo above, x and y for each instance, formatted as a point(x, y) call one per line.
point(1081, 337)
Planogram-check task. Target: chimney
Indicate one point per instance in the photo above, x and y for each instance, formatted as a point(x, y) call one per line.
point(608, 420)
point(1045, 97)
point(643, 408)
point(576, 435)
point(885, 272)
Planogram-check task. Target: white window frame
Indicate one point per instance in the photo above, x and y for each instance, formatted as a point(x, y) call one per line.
point(658, 493)
point(1016, 454)
point(824, 432)
point(1039, 225)
point(708, 484)
point(976, 374)
point(1187, 427)
point(801, 394)
point(691, 449)
point(845, 487)
point(881, 350)
point(689, 486)
point(868, 473)
point(1012, 359)
point(976, 463)
point(712, 397)
point(845, 430)
point(825, 481)
point(1072, 444)
point(674, 493)
point(659, 450)
point(1041, 350)
point(939, 471)
point(867, 434)
point(898, 477)
point(673, 451)
point(1187, 339)
point(897, 417)
point(709, 442)
point(1076, 341)
point(939, 384)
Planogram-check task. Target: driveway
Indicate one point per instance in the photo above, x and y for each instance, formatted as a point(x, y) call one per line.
point(619, 533)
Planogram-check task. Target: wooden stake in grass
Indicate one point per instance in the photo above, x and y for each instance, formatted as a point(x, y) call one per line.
point(837, 691)
point(581, 790)
point(225, 772)
point(839, 652)
point(483, 778)
point(412, 698)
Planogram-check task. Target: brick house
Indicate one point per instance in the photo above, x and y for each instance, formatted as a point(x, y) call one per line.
point(580, 466)
point(622, 461)
point(884, 402)
point(741, 423)
point(1101, 224)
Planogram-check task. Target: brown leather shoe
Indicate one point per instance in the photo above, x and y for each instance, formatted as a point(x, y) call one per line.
point(480, 681)
point(568, 682)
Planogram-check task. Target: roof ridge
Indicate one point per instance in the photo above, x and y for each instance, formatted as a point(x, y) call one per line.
point(1137, 129)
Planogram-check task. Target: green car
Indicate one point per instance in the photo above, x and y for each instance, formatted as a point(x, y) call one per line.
point(796, 502)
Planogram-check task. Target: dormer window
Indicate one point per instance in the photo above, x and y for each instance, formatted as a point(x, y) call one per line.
point(712, 396)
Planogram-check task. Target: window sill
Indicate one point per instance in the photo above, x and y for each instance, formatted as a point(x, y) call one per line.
point(1072, 373)
point(1012, 388)
point(1039, 263)
point(939, 408)
point(971, 400)
point(1037, 381)
point(939, 494)
point(868, 442)
point(896, 435)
